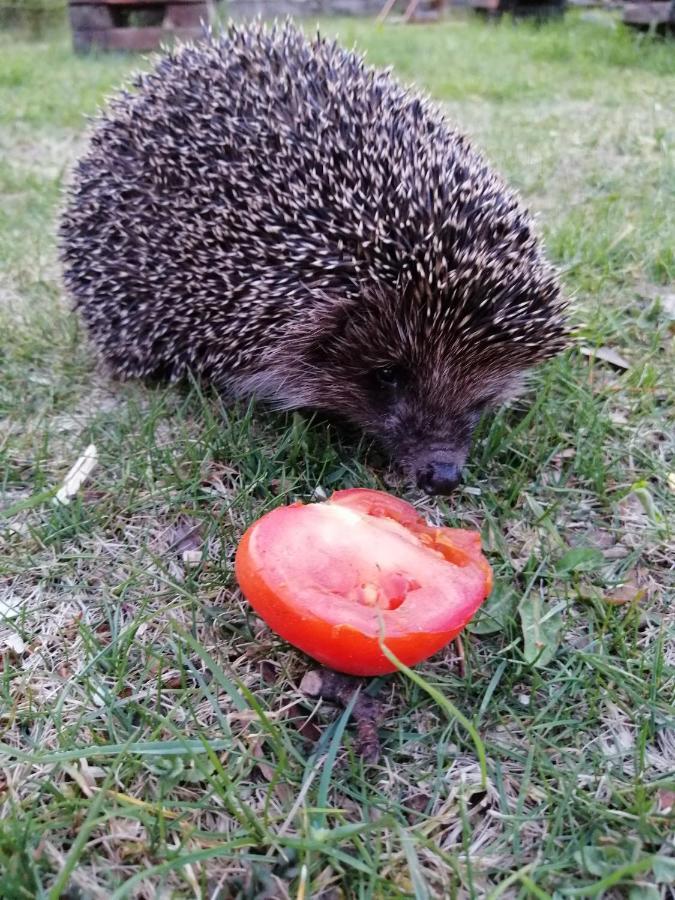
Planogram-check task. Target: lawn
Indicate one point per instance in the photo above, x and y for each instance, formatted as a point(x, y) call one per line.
point(155, 742)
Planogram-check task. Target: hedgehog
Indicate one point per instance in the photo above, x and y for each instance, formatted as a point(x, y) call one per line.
point(267, 213)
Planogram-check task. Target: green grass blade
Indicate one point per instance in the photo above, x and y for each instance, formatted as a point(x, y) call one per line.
point(446, 705)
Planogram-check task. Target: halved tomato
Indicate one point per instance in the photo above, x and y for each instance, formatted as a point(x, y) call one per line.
point(334, 578)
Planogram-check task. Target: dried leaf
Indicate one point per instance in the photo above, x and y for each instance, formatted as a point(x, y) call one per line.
point(668, 305)
point(558, 459)
point(618, 418)
point(266, 770)
point(630, 592)
point(618, 551)
point(306, 727)
point(417, 802)
point(15, 643)
point(185, 536)
point(268, 672)
point(665, 801)
point(10, 608)
point(85, 776)
point(601, 538)
point(607, 355)
point(284, 793)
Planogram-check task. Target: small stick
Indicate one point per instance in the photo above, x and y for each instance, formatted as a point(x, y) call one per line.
point(384, 12)
point(77, 476)
point(461, 658)
point(410, 10)
point(367, 712)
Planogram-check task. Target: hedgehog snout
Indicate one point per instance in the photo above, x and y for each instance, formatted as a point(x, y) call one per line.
point(431, 446)
point(439, 478)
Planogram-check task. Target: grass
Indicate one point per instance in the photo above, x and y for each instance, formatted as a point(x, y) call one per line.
point(154, 739)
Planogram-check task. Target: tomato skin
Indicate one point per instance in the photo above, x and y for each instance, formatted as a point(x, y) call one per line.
point(299, 567)
point(379, 504)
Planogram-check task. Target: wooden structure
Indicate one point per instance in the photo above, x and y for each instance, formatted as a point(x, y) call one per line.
point(415, 11)
point(531, 9)
point(651, 15)
point(135, 24)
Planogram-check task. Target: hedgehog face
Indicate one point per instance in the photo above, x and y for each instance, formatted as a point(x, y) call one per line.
point(427, 432)
point(425, 414)
point(417, 366)
point(412, 385)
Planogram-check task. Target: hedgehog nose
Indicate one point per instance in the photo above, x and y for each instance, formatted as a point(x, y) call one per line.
point(439, 478)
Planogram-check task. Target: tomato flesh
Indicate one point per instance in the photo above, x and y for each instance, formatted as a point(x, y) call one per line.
point(334, 578)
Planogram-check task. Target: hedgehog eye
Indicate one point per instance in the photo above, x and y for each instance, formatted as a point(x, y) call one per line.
point(390, 377)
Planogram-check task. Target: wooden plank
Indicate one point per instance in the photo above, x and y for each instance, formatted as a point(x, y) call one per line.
point(491, 5)
point(90, 17)
point(652, 13)
point(410, 10)
point(132, 39)
point(134, 3)
point(187, 15)
point(384, 12)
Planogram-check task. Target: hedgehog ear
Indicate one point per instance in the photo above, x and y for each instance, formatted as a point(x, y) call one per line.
point(306, 345)
point(319, 334)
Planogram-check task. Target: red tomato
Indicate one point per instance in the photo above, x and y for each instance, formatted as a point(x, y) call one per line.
point(333, 578)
